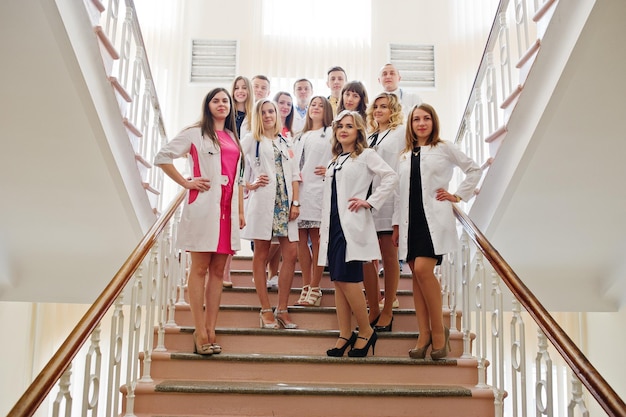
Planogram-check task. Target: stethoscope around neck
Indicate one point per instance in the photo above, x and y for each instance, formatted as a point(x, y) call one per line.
point(336, 166)
point(257, 158)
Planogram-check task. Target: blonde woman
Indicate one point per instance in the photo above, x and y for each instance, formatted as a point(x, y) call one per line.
point(384, 119)
point(272, 208)
point(347, 233)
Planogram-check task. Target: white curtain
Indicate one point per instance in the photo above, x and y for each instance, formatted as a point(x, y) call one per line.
point(303, 39)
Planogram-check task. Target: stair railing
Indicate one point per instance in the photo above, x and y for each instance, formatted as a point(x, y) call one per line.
point(512, 39)
point(144, 289)
point(484, 299)
point(131, 72)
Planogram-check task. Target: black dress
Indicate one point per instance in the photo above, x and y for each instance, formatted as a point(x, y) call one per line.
point(419, 243)
point(339, 269)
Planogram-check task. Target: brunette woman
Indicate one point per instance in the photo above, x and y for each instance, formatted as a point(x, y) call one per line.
point(313, 151)
point(353, 97)
point(213, 210)
point(426, 227)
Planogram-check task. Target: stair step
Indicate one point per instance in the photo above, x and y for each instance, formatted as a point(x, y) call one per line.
point(310, 318)
point(312, 368)
point(243, 278)
point(260, 399)
point(246, 295)
point(302, 342)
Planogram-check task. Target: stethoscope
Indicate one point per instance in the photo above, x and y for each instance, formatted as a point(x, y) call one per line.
point(336, 166)
point(378, 142)
point(257, 159)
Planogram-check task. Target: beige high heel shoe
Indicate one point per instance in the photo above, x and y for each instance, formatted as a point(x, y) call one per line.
point(264, 325)
point(303, 294)
point(287, 325)
point(314, 297)
point(436, 354)
point(420, 353)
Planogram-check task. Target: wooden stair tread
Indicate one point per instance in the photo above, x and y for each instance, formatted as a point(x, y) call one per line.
point(278, 388)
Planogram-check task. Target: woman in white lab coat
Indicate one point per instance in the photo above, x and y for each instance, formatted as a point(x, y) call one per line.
point(213, 210)
point(272, 208)
point(384, 118)
point(347, 233)
point(425, 227)
point(313, 151)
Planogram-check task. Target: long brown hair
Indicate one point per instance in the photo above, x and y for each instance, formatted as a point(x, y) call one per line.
point(249, 100)
point(411, 136)
point(355, 87)
point(327, 120)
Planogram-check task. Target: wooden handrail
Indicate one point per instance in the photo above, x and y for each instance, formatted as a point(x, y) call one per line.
point(54, 369)
point(578, 362)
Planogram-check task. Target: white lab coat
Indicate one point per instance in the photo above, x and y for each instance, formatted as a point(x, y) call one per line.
point(353, 180)
point(198, 230)
point(317, 152)
point(389, 146)
point(437, 165)
point(298, 122)
point(259, 210)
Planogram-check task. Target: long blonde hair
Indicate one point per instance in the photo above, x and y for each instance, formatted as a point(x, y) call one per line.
point(395, 119)
point(257, 121)
point(361, 139)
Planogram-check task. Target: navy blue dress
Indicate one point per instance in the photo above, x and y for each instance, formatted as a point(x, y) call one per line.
point(339, 269)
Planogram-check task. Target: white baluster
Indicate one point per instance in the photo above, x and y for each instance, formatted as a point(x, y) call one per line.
point(543, 377)
point(91, 381)
point(505, 56)
point(64, 396)
point(492, 96)
point(497, 341)
point(577, 401)
point(115, 357)
point(518, 361)
point(151, 307)
point(521, 23)
point(481, 320)
point(466, 319)
point(134, 336)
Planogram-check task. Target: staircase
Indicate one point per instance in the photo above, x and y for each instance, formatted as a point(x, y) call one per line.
point(286, 372)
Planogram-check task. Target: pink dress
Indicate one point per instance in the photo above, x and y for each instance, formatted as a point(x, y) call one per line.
point(230, 156)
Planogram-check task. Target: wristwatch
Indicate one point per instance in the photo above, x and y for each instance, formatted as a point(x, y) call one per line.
point(295, 203)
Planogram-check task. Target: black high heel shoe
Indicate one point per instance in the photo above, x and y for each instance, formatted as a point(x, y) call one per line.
point(386, 328)
point(338, 352)
point(372, 323)
point(436, 354)
point(362, 352)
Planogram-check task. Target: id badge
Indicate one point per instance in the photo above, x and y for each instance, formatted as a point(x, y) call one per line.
point(224, 179)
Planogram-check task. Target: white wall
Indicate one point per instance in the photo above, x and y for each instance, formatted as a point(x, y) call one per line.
point(457, 31)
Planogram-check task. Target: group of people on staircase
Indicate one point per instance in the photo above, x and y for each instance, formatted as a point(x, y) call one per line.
point(329, 182)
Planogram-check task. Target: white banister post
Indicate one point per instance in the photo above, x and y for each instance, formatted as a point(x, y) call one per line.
point(543, 377)
point(480, 296)
point(150, 306)
point(92, 376)
point(577, 401)
point(497, 343)
point(64, 396)
point(115, 357)
point(466, 320)
point(518, 361)
point(134, 336)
